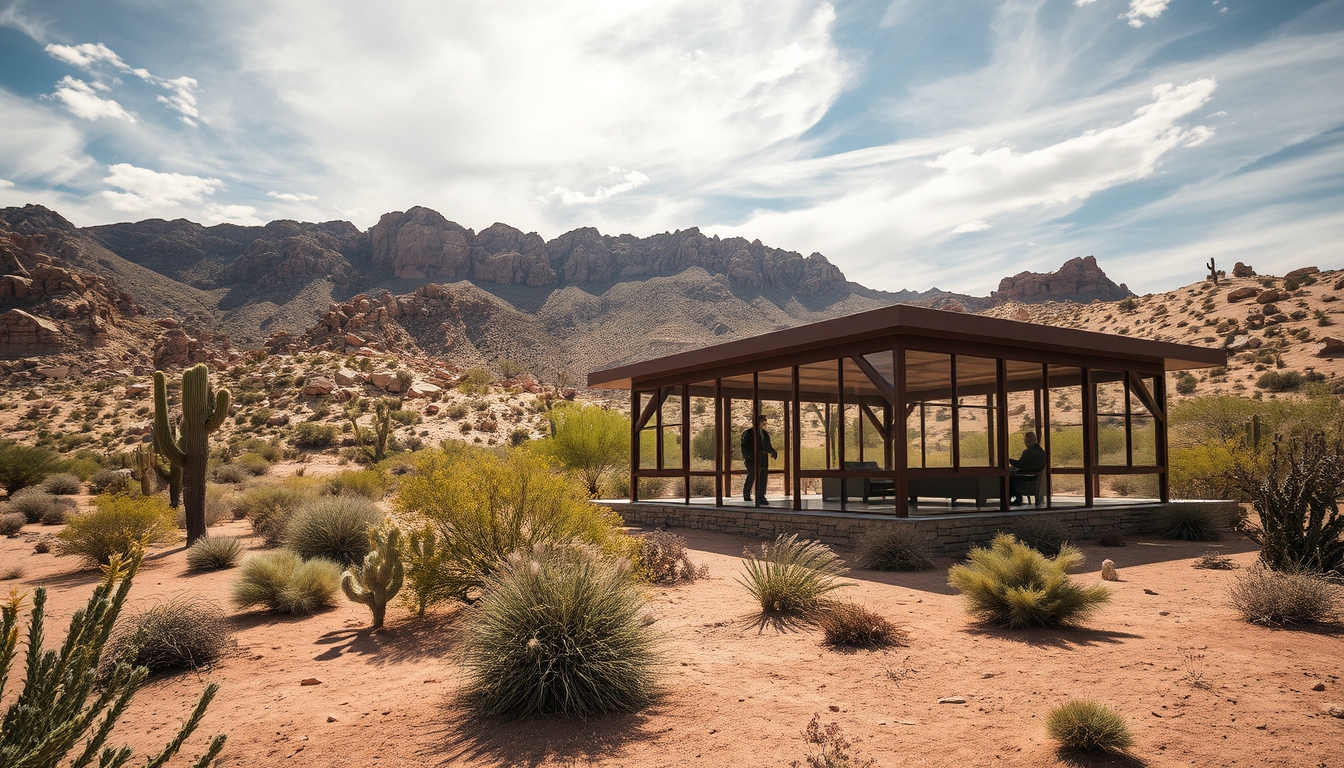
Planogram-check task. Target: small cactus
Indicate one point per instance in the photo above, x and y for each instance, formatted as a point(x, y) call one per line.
point(380, 579)
point(1213, 271)
point(144, 469)
point(187, 447)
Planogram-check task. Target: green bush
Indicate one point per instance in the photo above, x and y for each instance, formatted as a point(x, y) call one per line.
point(849, 625)
point(185, 632)
point(334, 528)
point(1188, 522)
point(11, 523)
point(897, 548)
point(405, 417)
point(1186, 383)
point(560, 631)
point(1087, 726)
point(32, 503)
point(63, 484)
point(22, 466)
point(369, 483)
point(286, 583)
point(791, 576)
point(1280, 381)
point(485, 505)
point(313, 435)
point(270, 507)
point(1043, 534)
point(214, 553)
point(253, 464)
point(109, 481)
point(1277, 599)
point(1295, 497)
point(231, 474)
point(116, 526)
point(59, 512)
point(84, 465)
point(590, 441)
point(1013, 585)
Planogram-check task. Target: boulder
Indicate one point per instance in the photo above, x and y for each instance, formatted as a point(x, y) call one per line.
point(54, 371)
point(1079, 280)
point(432, 410)
point(348, 378)
point(1329, 346)
point(422, 389)
point(136, 390)
point(1268, 295)
point(1242, 270)
point(383, 380)
point(20, 329)
point(354, 340)
point(319, 386)
point(1300, 273)
point(1238, 343)
point(278, 420)
point(1244, 292)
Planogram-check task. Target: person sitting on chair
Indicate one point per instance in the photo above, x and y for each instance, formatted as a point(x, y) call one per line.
point(756, 442)
point(1027, 469)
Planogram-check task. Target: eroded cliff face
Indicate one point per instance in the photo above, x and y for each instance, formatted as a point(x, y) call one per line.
point(1079, 280)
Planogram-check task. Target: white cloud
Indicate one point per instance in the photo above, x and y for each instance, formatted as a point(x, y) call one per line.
point(87, 55)
point(83, 101)
point(232, 214)
point(291, 197)
point(6, 183)
point(91, 56)
point(1081, 3)
point(38, 144)
point(1144, 9)
point(972, 226)
point(182, 96)
point(633, 179)
point(148, 190)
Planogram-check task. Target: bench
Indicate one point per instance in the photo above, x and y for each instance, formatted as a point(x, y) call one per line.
point(981, 488)
point(863, 487)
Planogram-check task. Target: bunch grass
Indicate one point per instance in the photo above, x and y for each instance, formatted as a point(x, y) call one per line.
point(1087, 726)
point(286, 583)
point(790, 576)
point(1010, 584)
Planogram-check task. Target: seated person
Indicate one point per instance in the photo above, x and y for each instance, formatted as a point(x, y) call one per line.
point(1026, 469)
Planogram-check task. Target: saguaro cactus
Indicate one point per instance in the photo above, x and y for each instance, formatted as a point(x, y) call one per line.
point(144, 467)
point(188, 448)
point(380, 579)
point(171, 474)
point(1213, 271)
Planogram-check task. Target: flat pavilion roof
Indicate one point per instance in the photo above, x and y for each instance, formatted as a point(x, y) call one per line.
point(928, 372)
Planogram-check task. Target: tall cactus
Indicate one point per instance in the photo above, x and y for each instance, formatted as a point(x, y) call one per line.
point(171, 474)
point(144, 467)
point(1213, 270)
point(188, 449)
point(380, 579)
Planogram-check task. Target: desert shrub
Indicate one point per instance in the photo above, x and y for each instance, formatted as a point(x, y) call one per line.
point(32, 503)
point(897, 548)
point(63, 484)
point(1188, 522)
point(334, 528)
point(406, 417)
point(11, 523)
point(1043, 534)
point(475, 381)
point(792, 576)
point(369, 483)
point(1013, 585)
point(701, 486)
point(59, 512)
point(827, 747)
point(313, 435)
point(22, 466)
point(84, 465)
point(186, 632)
point(519, 436)
point(1277, 599)
point(662, 558)
point(230, 473)
point(1087, 726)
point(286, 583)
point(1280, 381)
point(216, 508)
point(559, 630)
point(269, 508)
point(852, 626)
point(109, 481)
point(485, 505)
point(214, 553)
point(1213, 560)
point(116, 526)
point(1186, 383)
point(456, 411)
point(1295, 496)
point(589, 441)
point(12, 572)
point(253, 464)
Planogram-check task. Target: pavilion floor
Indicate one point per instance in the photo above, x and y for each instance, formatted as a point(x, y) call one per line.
point(925, 507)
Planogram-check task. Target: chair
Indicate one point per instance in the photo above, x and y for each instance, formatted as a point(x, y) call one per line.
point(857, 486)
point(1028, 485)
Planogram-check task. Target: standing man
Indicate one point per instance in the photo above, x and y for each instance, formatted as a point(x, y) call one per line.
point(755, 446)
point(1026, 470)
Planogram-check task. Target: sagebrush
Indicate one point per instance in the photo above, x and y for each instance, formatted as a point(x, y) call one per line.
point(63, 484)
point(32, 503)
point(269, 508)
point(790, 576)
point(849, 625)
point(334, 528)
point(11, 523)
point(1013, 585)
point(662, 558)
point(1278, 599)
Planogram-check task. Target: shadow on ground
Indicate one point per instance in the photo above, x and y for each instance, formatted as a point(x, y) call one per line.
point(1109, 760)
point(403, 639)
point(535, 742)
point(1054, 637)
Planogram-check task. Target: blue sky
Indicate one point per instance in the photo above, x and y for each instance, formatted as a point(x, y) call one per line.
point(916, 143)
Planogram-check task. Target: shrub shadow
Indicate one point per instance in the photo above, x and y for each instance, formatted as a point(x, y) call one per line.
point(1054, 637)
point(257, 617)
point(1072, 759)
point(433, 636)
point(469, 737)
point(781, 622)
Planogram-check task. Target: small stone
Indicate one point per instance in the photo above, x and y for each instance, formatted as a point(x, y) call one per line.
point(1164, 613)
point(952, 700)
point(833, 708)
point(1332, 709)
point(1149, 592)
point(1318, 687)
point(331, 718)
point(310, 681)
point(986, 675)
point(1108, 572)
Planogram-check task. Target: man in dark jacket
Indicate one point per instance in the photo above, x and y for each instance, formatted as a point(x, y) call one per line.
point(756, 443)
point(1027, 469)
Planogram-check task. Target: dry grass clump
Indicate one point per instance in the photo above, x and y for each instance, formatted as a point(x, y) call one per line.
point(286, 583)
point(1043, 534)
point(662, 558)
point(791, 576)
point(1214, 560)
point(1087, 726)
point(63, 484)
point(269, 508)
point(214, 553)
point(1280, 599)
point(109, 481)
point(186, 632)
point(32, 503)
point(116, 527)
point(11, 523)
point(1188, 522)
point(334, 528)
point(1014, 585)
point(849, 625)
point(59, 512)
point(369, 483)
point(827, 747)
point(231, 474)
point(560, 630)
point(12, 572)
point(898, 548)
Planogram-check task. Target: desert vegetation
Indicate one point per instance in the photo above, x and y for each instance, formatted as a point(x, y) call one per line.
point(1013, 585)
point(790, 576)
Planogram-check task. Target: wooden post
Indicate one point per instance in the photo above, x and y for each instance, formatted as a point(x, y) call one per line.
point(956, 414)
point(686, 440)
point(634, 443)
point(718, 442)
point(1000, 438)
point(1044, 434)
point(840, 429)
point(1089, 436)
point(1160, 436)
point(901, 444)
point(797, 442)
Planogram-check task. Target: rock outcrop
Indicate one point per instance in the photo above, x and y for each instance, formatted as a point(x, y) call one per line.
point(1079, 280)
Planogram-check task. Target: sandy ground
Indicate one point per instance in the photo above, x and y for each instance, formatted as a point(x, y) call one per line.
point(1197, 685)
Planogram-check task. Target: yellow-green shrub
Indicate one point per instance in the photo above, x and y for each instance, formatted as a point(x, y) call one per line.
point(116, 526)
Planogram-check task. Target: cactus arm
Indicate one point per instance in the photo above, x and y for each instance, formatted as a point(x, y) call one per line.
point(220, 412)
point(353, 590)
point(164, 439)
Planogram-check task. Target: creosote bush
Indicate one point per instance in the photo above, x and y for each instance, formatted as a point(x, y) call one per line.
point(849, 625)
point(214, 553)
point(558, 630)
point(286, 583)
point(187, 632)
point(109, 481)
point(63, 484)
point(32, 503)
point(334, 528)
point(790, 576)
point(22, 466)
point(11, 523)
point(269, 508)
point(1188, 522)
point(369, 483)
point(116, 526)
point(1087, 726)
point(1013, 585)
point(1279, 599)
point(897, 548)
point(662, 558)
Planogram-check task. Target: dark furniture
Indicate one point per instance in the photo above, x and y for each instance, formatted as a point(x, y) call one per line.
point(863, 487)
point(981, 488)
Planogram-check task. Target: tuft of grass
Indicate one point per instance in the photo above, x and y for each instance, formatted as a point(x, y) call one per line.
point(187, 632)
point(791, 576)
point(230, 474)
point(1087, 726)
point(269, 508)
point(214, 553)
point(1013, 585)
point(12, 572)
point(1043, 534)
point(898, 548)
point(253, 464)
point(11, 523)
point(335, 528)
point(1279, 599)
point(116, 527)
point(560, 631)
point(1188, 522)
point(1214, 560)
point(849, 625)
point(63, 484)
point(286, 583)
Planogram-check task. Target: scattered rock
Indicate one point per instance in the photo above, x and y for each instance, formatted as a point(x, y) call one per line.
point(833, 708)
point(310, 681)
point(1149, 592)
point(1268, 295)
point(1245, 292)
point(347, 378)
point(1332, 709)
point(331, 718)
point(1329, 346)
point(1302, 272)
point(278, 420)
point(431, 410)
point(354, 340)
point(1242, 270)
point(952, 700)
point(384, 380)
point(136, 390)
point(1319, 686)
point(1108, 572)
point(319, 386)
point(1238, 343)
point(423, 389)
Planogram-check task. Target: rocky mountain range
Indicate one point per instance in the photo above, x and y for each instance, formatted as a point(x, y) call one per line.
point(417, 283)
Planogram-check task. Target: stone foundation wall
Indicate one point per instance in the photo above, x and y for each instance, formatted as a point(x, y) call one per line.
point(950, 534)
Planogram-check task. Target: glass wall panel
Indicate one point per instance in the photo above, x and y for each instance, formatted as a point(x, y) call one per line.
point(1138, 487)
point(1066, 417)
point(670, 423)
point(1143, 429)
point(819, 387)
point(1024, 406)
point(1112, 446)
point(928, 382)
point(701, 430)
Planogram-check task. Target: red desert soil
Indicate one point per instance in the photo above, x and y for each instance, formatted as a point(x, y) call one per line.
point(1197, 685)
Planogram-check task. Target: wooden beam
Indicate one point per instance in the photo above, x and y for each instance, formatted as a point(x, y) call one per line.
point(876, 422)
point(655, 403)
point(876, 378)
point(1137, 386)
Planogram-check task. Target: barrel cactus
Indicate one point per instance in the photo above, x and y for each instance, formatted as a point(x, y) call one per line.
point(380, 579)
point(187, 448)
